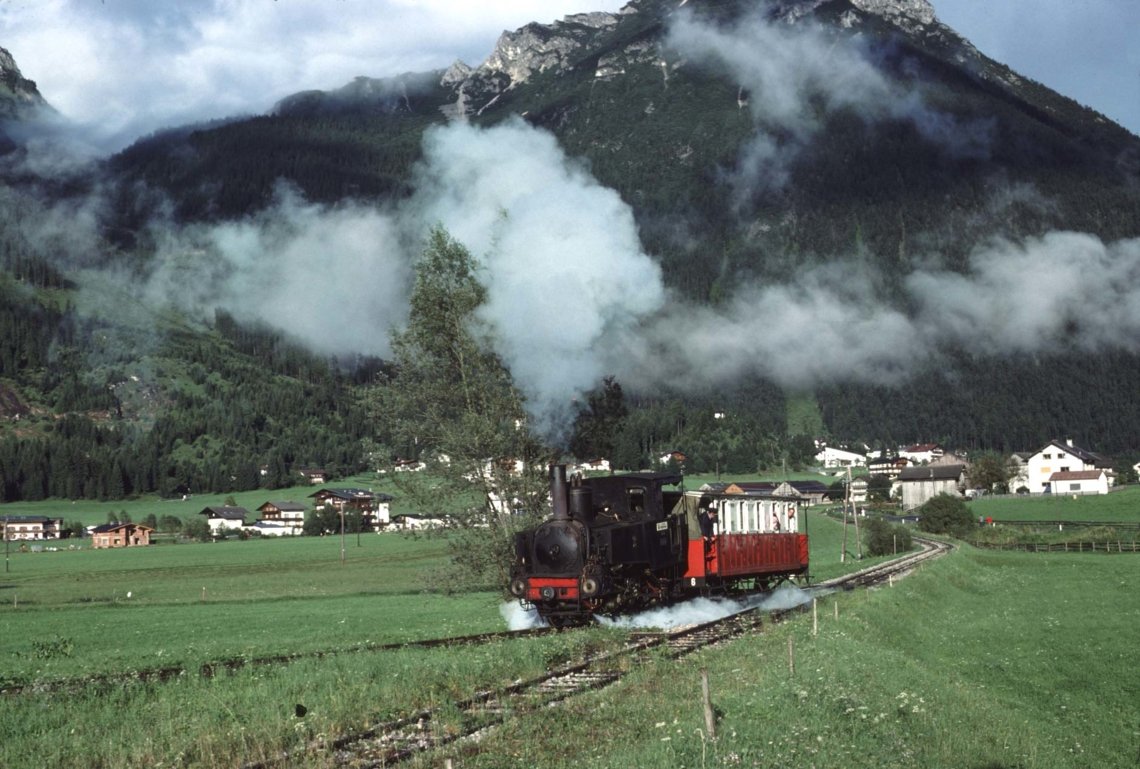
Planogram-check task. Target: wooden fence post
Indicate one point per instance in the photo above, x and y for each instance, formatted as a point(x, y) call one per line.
point(710, 718)
point(791, 656)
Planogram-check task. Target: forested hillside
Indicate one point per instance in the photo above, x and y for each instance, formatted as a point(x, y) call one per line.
point(98, 407)
point(887, 202)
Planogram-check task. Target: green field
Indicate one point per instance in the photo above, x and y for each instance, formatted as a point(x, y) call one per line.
point(1122, 505)
point(980, 660)
point(91, 513)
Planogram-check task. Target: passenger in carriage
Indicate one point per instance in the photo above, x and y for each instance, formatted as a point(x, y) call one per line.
point(776, 522)
point(707, 519)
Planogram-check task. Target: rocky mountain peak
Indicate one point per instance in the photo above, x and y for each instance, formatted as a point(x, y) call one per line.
point(19, 98)
point(538, 47)
point(914, 10)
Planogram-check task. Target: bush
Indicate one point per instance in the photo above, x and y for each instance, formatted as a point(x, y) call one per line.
point(946, 514)
point(884, 538)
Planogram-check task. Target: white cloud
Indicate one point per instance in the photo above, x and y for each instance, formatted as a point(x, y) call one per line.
point(333, 278)
point(127, 67)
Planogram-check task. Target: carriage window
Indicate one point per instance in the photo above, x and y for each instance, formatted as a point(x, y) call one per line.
point(636, 500)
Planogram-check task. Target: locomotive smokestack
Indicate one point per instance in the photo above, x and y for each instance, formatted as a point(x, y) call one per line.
point(558, 493)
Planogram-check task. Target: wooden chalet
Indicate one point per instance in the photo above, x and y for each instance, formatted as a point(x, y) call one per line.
point(372, 506)
point(288, 514)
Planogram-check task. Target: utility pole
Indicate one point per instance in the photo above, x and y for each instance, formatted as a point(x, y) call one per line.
point(846, 501)
point(342, 534)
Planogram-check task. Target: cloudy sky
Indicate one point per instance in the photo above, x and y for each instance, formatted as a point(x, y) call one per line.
point(127, 67)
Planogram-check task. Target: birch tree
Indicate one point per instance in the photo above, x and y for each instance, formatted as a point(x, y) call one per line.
point(451, 403)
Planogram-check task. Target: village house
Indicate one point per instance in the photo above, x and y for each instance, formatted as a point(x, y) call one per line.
point(831, 457)
point(594, 466)
point(32, 527)
point(279, 518)
point(373, 506)
point(406, 522)
point(120, 535)
point(313, 476)
point(916, 486)
point(1079, 482)
point(922, 453)
point(1062, 457)
point(889, 467)
point(224, 518)
point(1019, 477)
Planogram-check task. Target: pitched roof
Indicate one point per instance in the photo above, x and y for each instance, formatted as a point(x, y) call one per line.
point(289, 506)
point(932, 473)
point(1076, 475)
point(107, 527)
point(351, 494)
point(1086, 456)
point(750, 487)
point(225, 511)
point(809, 487)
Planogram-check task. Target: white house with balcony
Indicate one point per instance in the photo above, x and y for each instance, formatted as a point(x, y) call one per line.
point(922, 453)
point(1063, 457)
point(833, 457)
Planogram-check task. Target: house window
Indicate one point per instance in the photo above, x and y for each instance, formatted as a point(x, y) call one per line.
point(1074, 487)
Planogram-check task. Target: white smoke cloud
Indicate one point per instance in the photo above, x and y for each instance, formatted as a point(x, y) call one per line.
point(519, 617)
point(566, 274)
point(700, 610)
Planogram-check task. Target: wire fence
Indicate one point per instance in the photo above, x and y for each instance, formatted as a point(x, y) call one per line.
point(1064, 547)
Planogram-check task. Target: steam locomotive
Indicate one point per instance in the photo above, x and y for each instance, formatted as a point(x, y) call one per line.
point(621, 543)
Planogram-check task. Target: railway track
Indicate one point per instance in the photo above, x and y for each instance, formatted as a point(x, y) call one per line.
point(896, 567)
point(392, 742)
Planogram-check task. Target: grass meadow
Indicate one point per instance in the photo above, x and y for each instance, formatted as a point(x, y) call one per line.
point(980, 659)
point(1122, 505)
point(92, 513)
point(983, 659)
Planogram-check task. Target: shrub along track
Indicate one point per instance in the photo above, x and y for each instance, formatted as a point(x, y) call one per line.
point(392, 742)
point(231, 664)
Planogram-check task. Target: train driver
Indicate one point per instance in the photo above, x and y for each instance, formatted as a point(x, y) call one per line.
point(707, 519)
